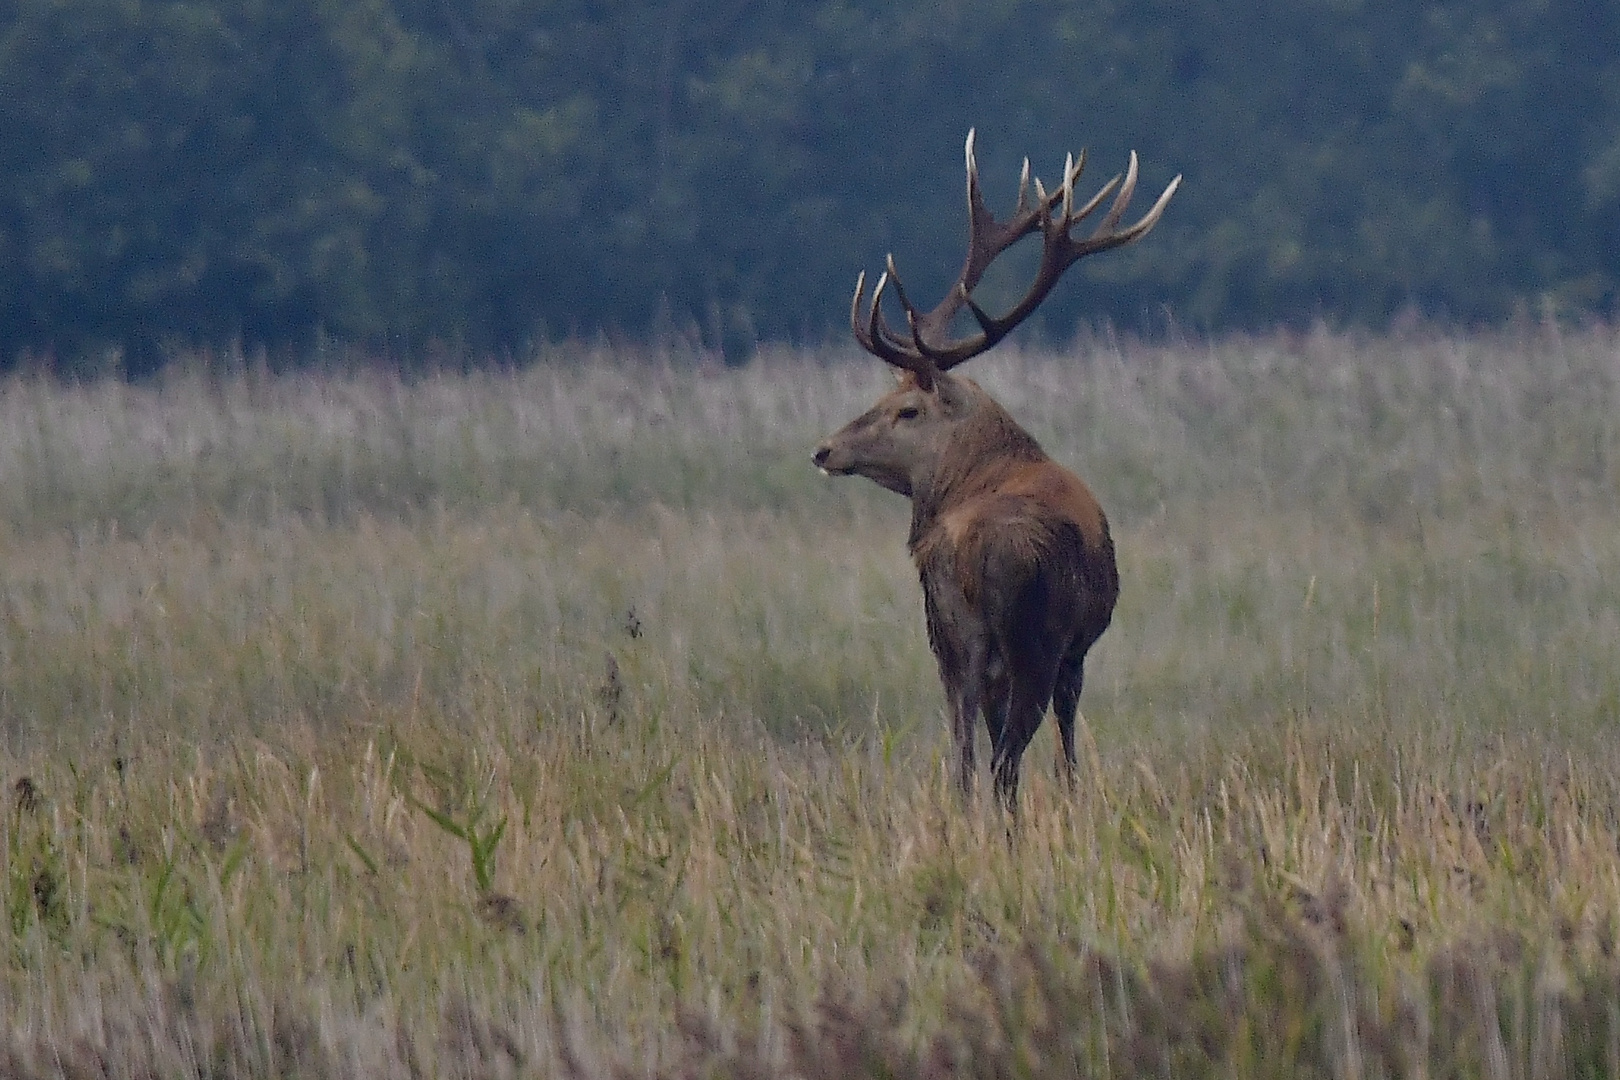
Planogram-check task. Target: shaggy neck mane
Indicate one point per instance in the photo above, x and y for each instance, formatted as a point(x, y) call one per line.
point(986, 448)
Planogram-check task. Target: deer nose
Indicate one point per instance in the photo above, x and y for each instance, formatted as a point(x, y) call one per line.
point(821, 455)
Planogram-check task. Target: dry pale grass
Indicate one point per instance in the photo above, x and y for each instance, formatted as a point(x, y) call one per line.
point(563, 721)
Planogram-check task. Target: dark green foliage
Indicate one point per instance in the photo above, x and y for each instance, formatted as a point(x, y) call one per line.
point(413, 175)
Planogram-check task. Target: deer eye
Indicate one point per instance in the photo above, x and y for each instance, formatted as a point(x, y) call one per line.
point(910, 412)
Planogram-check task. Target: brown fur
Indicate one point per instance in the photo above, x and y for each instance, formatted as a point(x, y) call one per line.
point(1014, 554)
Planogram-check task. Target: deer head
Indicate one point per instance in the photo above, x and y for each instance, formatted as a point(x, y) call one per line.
point(904, 436)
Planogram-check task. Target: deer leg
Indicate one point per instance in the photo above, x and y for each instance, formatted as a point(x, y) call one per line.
point(1026, 708)
point(964, 712)
point(962, 672)
point(1066, 704)
point(996, 694)
point(961, 647)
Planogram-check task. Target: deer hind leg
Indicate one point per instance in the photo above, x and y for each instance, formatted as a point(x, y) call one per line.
point(966, 703)
point(962, 665)
point(1025, 710)
point(962, 648)
point(1066, 705)
point(1029, 693)
point(996, 696)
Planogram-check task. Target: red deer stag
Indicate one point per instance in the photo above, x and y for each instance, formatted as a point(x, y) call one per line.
point(1016, 562)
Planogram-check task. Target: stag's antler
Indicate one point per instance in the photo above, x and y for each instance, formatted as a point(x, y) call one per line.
point(927, 349)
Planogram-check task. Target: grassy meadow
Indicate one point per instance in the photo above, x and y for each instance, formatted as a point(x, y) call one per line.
point(565, 721)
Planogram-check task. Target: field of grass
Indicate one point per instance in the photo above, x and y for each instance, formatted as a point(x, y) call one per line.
point(566, 721)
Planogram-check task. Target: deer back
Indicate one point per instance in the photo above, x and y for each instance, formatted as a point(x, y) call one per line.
point(999, 514)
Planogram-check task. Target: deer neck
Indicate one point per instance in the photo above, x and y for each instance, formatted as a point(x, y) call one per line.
point(979, 458)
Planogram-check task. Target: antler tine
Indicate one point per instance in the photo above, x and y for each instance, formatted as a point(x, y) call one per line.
point(855, 306)
point(929, 358)
point(881, 342)
point(1121, 201)
point(1151, 218)
point(1023, 190)
point(990, 329)
point(1073, 166)
point(1068, 187)
point(928, 355)
point(975, 193)
point(1099, 241)
point(868, 336)
point(872, 336)
point(1095, 201)
point(893, 274)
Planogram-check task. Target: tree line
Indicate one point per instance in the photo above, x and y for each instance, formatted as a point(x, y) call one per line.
point(488, 174)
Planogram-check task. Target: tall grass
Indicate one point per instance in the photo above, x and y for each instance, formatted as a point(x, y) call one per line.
point(542, 720)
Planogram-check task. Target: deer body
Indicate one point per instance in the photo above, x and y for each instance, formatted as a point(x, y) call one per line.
point(1013, 550)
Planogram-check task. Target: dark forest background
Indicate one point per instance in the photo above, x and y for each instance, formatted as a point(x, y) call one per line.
point(484, 175)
